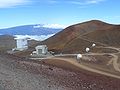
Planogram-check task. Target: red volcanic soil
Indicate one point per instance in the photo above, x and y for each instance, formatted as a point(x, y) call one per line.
point(19, 73)
point(75, 38)
point(6, 42)
point(109, 37)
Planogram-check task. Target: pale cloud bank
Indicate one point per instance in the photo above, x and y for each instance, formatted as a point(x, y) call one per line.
point(34, 37)
point(37, 26)
point(86, 2)
point(75, 2)
point(94, 1)
point(12, 3)
point(55, 26)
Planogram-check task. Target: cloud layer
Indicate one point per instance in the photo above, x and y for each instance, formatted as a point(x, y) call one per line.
point(85, 2)
point(75, 2)
point(12, 3)
point(35, 37)
point(56, 26)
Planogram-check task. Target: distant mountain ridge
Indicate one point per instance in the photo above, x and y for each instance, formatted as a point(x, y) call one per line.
point(37, 29)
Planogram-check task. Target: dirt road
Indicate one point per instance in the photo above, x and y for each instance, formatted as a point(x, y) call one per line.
point(113, 61)
point(74, 62)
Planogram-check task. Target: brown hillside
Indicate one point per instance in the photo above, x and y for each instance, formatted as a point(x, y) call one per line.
point(70, 39)
point(110, 36)
point(6, 42)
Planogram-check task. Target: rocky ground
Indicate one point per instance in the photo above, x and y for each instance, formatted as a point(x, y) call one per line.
point(21, 74)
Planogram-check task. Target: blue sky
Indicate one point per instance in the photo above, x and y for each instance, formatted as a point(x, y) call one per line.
point(58, 12)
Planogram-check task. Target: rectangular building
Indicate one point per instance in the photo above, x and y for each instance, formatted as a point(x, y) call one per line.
point(41, 50)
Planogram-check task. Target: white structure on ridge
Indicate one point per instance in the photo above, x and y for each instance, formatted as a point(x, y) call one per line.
point(93, 45)
point(21, 44)
point(87, 49)
point(79, 56)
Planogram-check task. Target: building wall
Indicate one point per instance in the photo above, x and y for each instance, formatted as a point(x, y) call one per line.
point(42, 49)
point(22, 44)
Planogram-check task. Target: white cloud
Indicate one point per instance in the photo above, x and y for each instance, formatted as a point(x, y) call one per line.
point(94, 1)
point(35, 37)
point(85, 2)
point(54, 26)
point(47, 1)
point(11, 3)
point(37, 26)
point(76, 2)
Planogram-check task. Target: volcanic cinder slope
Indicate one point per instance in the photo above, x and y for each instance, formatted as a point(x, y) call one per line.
point(6, 42)
point(76, 38)
point(20, 74)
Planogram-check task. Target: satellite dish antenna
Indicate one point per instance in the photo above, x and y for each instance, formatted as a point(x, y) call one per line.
point(79, 56)
point(93, 45)
point(87, 49)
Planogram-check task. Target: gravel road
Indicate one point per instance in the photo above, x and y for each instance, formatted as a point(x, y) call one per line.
point(17, 74)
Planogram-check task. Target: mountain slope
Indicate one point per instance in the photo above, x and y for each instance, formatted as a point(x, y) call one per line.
point(7, 42)
point(29, 30)
point(72, 39)
point(109, 37)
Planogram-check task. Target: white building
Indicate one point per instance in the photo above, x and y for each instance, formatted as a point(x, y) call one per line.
point(41, 49)
point(21, 44)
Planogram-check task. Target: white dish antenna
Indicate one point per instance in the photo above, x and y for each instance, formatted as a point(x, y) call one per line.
point(93, 45)
point(79, 56)
point(87, 49)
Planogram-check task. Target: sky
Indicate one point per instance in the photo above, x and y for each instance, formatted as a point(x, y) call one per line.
point(58, 13)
